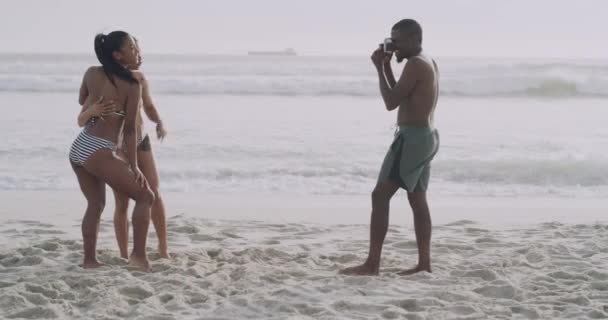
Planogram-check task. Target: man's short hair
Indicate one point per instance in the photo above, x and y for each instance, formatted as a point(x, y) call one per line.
point(409, 26)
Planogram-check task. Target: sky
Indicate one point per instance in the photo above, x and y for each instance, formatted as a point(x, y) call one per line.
point(470, 28)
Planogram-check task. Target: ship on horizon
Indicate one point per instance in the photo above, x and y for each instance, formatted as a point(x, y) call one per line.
point(286, 52)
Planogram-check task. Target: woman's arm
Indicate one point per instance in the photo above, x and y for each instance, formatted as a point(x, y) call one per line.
point(130, 126)
point(98, 109)
point(84, 91)
point(150, 108)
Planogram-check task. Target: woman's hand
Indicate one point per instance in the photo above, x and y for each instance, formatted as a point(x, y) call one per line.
point(161, 132)
point(140, 179)
point(100, 108)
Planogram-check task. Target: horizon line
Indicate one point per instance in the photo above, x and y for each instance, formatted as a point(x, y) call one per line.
point(304, 54)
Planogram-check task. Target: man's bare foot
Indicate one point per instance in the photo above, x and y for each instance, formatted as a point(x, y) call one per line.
point(414, 270)
point(124, 256)
point(91, 264)
point(140, 263)
point(362, 270)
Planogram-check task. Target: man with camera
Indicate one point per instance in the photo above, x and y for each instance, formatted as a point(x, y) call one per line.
point(408, 161)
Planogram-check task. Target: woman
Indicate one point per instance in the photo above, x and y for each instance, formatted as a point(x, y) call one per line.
point(93, 154)
point(146, 163)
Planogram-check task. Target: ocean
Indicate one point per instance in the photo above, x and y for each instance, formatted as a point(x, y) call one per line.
point(317, 125)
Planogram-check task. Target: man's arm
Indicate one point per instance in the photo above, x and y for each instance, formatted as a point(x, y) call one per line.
point(388, 72)
point(402, 89)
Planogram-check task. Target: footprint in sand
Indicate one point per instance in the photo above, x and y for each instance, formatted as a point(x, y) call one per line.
point(535, 257)
point(195, 297)
point(487, 240)
point(12, 301)
point(35, 298)
point(165, 298)
point(35, 313)
point(49, 293)
point(48, 246)
point(561, 275)
point(487, 275)
point(599, 286)
point(462, 310)
point(16, 261)
point(526, 312)
point(137, 292)
point(497, 291)
point(30, 251)
point(410, 305)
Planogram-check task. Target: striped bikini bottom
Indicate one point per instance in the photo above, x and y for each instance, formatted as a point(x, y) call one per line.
point(85, 145)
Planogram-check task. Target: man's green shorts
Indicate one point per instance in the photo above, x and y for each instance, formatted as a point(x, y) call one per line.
point(408, 161)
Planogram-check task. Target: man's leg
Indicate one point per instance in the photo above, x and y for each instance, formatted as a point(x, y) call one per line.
point(422, 227)
point(381, 197)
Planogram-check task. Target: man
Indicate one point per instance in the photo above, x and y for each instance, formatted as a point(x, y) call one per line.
point(407, 163)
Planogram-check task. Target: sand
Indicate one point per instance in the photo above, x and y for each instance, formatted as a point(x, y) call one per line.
point(277, 258)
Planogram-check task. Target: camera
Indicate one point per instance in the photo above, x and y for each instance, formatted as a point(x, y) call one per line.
point(389, 46)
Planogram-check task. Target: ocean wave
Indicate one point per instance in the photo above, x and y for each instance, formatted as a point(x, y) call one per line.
point(553, 173)
point(317, 76)
point(565, 173)
point(530, 172)
point(286, 86)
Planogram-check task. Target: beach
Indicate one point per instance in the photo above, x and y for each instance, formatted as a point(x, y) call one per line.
point(266, 175)
point(278, 259)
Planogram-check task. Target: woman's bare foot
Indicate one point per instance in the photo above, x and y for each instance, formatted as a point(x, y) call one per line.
point(414, 270)
point(140, 263)
point(362, 270)
point(91, 264)
point(163, 252)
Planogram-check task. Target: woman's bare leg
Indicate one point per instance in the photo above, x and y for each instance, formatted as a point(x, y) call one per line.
point(148, 168)
point(94, 191)
point(121, 223)
point(116, 173)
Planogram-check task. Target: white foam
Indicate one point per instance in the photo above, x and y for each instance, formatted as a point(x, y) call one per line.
point(315, 76)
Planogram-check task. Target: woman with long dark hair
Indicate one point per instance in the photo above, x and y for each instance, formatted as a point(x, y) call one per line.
point(145, 160)
point(93, 154)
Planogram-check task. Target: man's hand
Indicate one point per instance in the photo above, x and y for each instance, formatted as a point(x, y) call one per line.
point(380, 58)
point(387, 58)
